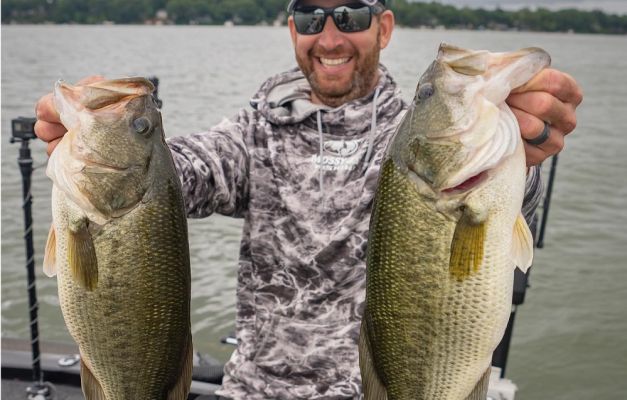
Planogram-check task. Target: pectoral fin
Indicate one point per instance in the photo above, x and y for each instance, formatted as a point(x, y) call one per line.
point(50, 255)
point(522, 244)
point(82, 258)
point(466, 248)
point(372, 387)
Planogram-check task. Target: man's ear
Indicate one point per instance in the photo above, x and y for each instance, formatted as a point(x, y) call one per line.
point(290, 24)
point(386, 26)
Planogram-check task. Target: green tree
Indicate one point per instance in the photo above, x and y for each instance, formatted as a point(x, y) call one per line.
point(126, 12)
point(186, 11)
point(244, 11)
point(66, 11)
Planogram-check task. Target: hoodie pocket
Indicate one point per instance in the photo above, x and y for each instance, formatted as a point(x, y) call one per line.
point(318, 351)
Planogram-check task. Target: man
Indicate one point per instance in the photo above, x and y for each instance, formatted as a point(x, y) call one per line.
point(301, 167)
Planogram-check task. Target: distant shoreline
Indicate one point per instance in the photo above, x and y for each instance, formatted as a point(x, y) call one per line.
point(410, 14)
point(422, 28)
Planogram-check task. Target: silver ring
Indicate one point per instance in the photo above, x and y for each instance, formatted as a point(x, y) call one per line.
point(542, 137)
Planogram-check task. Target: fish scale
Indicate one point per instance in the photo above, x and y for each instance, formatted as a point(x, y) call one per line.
point(391, 275)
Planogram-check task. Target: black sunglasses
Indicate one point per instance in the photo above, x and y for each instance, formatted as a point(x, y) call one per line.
point(310, 20)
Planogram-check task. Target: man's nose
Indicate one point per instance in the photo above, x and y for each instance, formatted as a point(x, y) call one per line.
point(330, 37)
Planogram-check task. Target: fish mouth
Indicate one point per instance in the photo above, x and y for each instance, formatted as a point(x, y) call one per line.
point(100, 167)
point(463, 188)
point(467, 185)
point(94, 162)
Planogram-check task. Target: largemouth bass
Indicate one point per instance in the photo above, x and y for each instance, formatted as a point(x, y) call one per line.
point(447, 232)
point(118, 243)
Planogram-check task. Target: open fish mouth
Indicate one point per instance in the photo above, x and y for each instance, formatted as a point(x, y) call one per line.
point(468, 184)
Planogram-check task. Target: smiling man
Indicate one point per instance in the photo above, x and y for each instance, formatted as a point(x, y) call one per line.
point(339, 67)
point(301, 168)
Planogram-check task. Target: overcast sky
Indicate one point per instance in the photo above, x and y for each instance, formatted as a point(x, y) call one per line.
point(609, 6)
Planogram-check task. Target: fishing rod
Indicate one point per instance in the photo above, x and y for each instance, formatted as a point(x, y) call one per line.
point(521, 280)
point(22, 131)
point(547, 203)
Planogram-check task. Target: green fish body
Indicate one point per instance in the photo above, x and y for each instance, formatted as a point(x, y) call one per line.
point(446, 231)
point(118, 243)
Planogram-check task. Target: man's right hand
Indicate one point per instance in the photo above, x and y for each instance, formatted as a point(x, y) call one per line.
point(48, 126)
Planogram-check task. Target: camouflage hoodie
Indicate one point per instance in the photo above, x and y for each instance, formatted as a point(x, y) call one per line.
point(303, 176)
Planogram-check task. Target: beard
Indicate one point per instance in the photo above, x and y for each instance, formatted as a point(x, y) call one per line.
point(360, 84)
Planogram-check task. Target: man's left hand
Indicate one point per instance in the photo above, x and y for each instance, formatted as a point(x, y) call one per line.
point(552, 97)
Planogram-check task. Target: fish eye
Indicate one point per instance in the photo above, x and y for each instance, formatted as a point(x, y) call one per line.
point(142, 125)
point(425, 91)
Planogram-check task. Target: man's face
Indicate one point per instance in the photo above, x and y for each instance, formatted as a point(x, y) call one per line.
point(341, 66)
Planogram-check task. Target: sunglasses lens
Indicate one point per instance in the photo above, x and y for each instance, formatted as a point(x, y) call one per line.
point(309, 21)
point(348, 18)
point(352, 19)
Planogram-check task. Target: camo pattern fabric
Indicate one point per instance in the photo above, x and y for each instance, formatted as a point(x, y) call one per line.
point(301, 278)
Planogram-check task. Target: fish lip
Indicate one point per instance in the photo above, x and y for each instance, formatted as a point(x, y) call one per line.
point(103, 167)
point(468, 185)
point(94, 162)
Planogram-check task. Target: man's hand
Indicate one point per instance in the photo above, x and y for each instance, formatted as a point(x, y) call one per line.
point(48, 126)
point(552, 97)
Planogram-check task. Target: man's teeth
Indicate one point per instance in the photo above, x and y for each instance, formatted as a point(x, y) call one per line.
point(334, 61)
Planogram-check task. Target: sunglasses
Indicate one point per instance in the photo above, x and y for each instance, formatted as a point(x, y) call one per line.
point(349, 18)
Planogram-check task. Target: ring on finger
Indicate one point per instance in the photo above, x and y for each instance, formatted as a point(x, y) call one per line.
point(542, 137)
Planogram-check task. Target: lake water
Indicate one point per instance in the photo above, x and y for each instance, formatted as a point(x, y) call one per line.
point(570, 339)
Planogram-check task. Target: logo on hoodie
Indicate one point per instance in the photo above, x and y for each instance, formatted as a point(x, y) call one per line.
point(342, 148)
point(339, 155)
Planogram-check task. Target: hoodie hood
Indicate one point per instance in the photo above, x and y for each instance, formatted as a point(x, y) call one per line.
point(284, 99)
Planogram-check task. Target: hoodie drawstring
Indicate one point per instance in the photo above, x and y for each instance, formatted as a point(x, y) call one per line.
point(321, 152)
point(373, 130)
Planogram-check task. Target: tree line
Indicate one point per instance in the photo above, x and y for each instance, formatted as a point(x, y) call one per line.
point(252, 12)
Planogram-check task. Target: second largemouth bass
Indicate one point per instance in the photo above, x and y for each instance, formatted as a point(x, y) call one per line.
point(447, 232)
point(118, 243)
